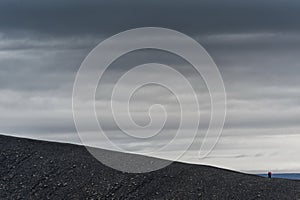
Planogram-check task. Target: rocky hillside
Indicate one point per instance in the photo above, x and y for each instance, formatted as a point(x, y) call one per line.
point(32, 169)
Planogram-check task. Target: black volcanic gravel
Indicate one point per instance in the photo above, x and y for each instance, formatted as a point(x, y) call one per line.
point(32, 169)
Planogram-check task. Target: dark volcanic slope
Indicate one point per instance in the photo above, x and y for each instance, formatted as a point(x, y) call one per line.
point(39, 170)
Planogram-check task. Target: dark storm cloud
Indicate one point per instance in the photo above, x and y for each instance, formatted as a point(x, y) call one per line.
point(74, 17)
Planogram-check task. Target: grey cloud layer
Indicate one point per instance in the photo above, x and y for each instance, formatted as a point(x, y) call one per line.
point(255, 44)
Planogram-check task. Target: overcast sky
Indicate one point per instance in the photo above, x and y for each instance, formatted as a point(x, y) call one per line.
point(255, 44)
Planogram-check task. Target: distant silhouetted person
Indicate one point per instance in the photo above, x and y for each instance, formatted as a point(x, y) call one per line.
point(269, 174)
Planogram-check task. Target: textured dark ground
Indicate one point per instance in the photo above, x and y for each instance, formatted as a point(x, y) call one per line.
point(43, 170)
